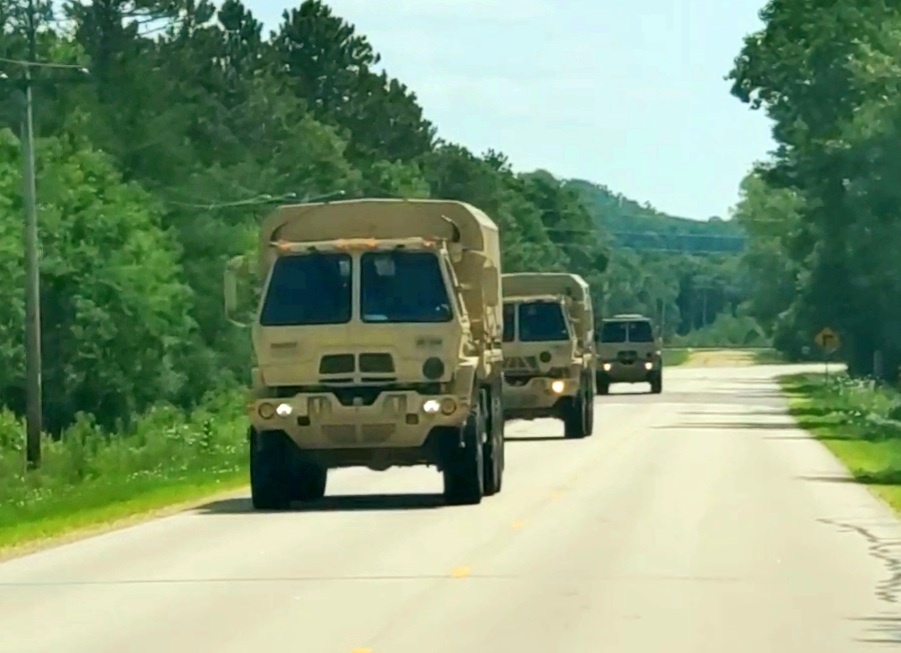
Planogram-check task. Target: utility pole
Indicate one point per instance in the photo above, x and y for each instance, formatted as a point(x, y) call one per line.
point(33, 363)
point(34, 409)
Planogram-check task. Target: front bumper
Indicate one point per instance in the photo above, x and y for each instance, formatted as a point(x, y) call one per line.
point(395, 419)
point(636, 372)
point(538, 393)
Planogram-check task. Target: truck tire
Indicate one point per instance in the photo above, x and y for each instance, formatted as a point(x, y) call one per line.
point(493, 454)
point(657, 383)
point(309, 481)
point(270, 471)
point(589, 418)
point(464, 472)
point(575, 416)
point(603, 387)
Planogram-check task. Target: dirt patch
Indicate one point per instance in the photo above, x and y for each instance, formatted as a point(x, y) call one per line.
point(720, 358)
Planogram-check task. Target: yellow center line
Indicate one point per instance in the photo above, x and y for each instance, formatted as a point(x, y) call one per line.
point(460, 572)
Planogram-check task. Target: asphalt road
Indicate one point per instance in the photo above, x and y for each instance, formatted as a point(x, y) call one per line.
point(694, 521)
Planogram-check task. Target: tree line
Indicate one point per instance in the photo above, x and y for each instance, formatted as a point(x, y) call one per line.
point(822, 213)
point(155, 167)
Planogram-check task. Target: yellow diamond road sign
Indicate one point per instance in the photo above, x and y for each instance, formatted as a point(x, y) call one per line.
point(828, 339)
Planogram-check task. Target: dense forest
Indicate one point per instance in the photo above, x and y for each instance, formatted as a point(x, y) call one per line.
point(822, 213)
point(156, 162)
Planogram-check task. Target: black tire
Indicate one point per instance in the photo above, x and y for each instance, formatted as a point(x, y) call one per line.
point(589, 419)
point(270, 470)
point(493, 454)
point(657, 383)
point(464, 472)
point(310, 481)
point(603, 387)
point(575, 417)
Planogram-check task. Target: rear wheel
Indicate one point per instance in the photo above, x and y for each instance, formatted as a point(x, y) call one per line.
point(270, 471)
point(464, 472)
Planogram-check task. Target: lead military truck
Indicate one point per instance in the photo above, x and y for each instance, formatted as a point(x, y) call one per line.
point(549, 358)
point(377, 342)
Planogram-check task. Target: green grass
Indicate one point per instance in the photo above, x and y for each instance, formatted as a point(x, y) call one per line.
point(859, 423)
point(89, 478)
point(675, 357)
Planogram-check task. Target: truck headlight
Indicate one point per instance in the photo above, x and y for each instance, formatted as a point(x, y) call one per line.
point(558, 386)
point(607, 367)
point(431, 406)
point(283, 410)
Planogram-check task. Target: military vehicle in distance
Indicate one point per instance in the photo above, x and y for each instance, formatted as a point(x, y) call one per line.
point(549, 354)
point(628, 352)
point(377, 343)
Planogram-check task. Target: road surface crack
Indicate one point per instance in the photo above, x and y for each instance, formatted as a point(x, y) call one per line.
point(887, 551)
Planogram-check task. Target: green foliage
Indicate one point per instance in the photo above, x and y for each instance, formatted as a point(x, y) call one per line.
point(822, 215)
point(88, 473)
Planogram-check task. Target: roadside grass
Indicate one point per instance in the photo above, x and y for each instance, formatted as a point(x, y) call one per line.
point(858, 422)
point(90, 478)
point(675, 357)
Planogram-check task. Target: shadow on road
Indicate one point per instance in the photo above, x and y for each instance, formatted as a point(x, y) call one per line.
point(725, 426)
point(533, 438)
point(880, 630)
point(339, 503)
point(723, 413)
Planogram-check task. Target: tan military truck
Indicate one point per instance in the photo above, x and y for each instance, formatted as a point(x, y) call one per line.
point(377, 341)
point(628, 352)
point(549, 358)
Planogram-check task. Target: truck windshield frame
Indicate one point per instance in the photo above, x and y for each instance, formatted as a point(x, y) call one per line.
point(404, 287)
point(622, 331)
point(544, 321)
point(309, 290)
point(509, 322)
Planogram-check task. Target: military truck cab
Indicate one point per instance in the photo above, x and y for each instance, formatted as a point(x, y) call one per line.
point(377, 344)
point(548, 350)
point(628, 352)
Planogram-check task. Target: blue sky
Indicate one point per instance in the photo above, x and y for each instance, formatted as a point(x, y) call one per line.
point(630, 98)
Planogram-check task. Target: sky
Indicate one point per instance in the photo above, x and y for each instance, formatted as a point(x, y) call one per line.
point(633, 99)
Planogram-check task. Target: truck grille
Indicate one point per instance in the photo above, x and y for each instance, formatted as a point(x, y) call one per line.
point(376, 363)
point(627, 357)
point(337, 364)
point(347, 363)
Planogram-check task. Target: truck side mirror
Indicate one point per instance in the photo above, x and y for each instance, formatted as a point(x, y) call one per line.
point(491, 286)
point(230, 287)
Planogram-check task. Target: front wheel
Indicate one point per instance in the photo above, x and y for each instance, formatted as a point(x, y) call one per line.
point(270, 471)
point(464, 472)
point(576, 416)
point(493, 454)
point(310, 481)
point(657, 383)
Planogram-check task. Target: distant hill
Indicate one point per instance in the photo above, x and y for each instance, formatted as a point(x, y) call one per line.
point(642, 227)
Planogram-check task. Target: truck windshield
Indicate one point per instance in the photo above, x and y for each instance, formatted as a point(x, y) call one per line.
point(403, 287)
point(509, 322)
point(542, 322)
point(307, 290)
point(639, 331)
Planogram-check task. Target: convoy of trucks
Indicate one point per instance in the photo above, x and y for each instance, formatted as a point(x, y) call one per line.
point(385, 334)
